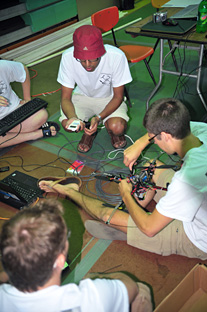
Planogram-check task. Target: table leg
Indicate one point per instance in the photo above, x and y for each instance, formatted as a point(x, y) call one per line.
point(199, 76)
point(160, 74)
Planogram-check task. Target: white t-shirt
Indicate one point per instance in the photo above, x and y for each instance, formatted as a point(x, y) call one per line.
point(9, 72)
point(186, 198)
point(100, 295)
point(112, 71)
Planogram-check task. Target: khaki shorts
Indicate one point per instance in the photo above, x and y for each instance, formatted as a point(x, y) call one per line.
point(86, 107)
point(171, 240)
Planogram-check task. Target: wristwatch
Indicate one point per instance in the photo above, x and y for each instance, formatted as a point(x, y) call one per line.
point(99, 118)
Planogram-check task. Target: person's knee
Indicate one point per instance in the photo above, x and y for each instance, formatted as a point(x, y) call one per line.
point(105, 214)
point(43, 115)
point(116, 125)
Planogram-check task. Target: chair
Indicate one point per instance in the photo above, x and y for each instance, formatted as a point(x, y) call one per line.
point(158, 5)
point(105, 20)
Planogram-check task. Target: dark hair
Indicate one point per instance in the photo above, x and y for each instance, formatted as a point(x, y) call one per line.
point(168, 115)
point(30, 243)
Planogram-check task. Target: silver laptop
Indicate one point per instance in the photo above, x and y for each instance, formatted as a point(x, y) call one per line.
point(190, 12)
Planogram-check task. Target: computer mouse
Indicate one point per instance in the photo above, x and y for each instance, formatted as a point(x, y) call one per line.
point(170, 22)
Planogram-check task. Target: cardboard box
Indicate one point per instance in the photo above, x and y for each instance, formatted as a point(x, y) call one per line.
point(190, 295)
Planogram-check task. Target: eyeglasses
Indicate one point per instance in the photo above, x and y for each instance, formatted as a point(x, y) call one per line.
point(152, 138)
point(90, 61)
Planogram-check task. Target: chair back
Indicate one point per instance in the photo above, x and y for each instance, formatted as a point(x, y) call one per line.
point(106, 19)
point(158, 3)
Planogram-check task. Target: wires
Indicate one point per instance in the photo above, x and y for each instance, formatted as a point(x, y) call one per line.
point(43, 93)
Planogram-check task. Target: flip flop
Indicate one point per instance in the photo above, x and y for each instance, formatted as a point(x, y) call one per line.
point(60, 180)
point(103, 231)
point(86, 140)
point(120, 139)
point(46, 128)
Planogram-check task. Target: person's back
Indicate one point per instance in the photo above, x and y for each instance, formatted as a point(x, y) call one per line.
point(34, 246)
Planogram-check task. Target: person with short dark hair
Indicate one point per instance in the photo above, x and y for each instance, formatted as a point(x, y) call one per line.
point(178, 224)
point(92, 76)
point(34, 246)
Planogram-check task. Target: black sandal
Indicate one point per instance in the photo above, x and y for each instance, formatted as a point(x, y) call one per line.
point(46, 128)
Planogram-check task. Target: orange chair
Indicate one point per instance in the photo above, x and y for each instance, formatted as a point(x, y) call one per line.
point(158, 3)
point(105, 20)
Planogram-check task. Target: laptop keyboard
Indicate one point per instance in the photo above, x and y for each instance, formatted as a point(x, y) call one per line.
point(28, 194)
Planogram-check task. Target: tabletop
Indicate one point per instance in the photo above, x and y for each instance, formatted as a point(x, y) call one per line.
point(191, 36)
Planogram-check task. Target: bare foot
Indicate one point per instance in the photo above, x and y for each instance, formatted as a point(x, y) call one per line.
point(53, 131)
point(51, 186)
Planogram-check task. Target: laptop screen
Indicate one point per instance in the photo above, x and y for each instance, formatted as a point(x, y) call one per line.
point(191, 11)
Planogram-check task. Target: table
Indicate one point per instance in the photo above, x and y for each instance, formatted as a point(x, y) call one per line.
point(198, 39)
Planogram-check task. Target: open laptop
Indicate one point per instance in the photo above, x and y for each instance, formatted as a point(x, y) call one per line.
point(19, 189)
point(190, 12)
point(184, 25)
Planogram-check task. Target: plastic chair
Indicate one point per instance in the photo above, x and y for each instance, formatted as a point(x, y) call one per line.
point(158, 3)
point(105, 20)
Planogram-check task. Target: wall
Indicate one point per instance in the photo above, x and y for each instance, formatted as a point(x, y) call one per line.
point(87, 7)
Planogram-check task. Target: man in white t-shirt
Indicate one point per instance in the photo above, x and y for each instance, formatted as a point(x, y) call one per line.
point(34, 246)
point(93, 76)
point(35, 126)
point(178, 224)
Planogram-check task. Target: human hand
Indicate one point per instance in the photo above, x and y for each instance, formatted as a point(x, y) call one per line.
point(130, 156)
point(22, 102)
point(4, 101)
point(132, 153)
point(125, 187)
point(78, 128)
point(93, 126)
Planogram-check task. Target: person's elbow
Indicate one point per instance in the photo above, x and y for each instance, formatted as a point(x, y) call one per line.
point(148, 230)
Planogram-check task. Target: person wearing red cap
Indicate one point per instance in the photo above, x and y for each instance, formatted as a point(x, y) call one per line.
point(93, 76)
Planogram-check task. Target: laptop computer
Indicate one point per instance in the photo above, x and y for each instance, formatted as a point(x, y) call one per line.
point(19, 189)
point(184, 25)
point(190, 12)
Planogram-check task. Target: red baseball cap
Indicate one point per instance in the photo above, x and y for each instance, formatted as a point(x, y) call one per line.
point(88, 43)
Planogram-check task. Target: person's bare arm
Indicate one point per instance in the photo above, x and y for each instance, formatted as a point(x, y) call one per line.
point(149, 224)
point(26, 87)
point(68, 107)
point(132, 153)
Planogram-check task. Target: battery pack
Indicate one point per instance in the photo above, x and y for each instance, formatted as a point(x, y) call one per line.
point(76, 167)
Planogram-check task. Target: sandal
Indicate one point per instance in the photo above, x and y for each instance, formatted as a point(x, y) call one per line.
point(46, 128)
point(103, 231)
point(87, 141)
point(60, 180)
point(120, 139)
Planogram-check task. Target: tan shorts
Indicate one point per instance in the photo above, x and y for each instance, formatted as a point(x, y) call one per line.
point(163, 180)
point(171, 240)
point(86, 107)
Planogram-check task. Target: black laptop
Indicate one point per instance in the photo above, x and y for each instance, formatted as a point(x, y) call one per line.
point(181, 28)
point(19, 189)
